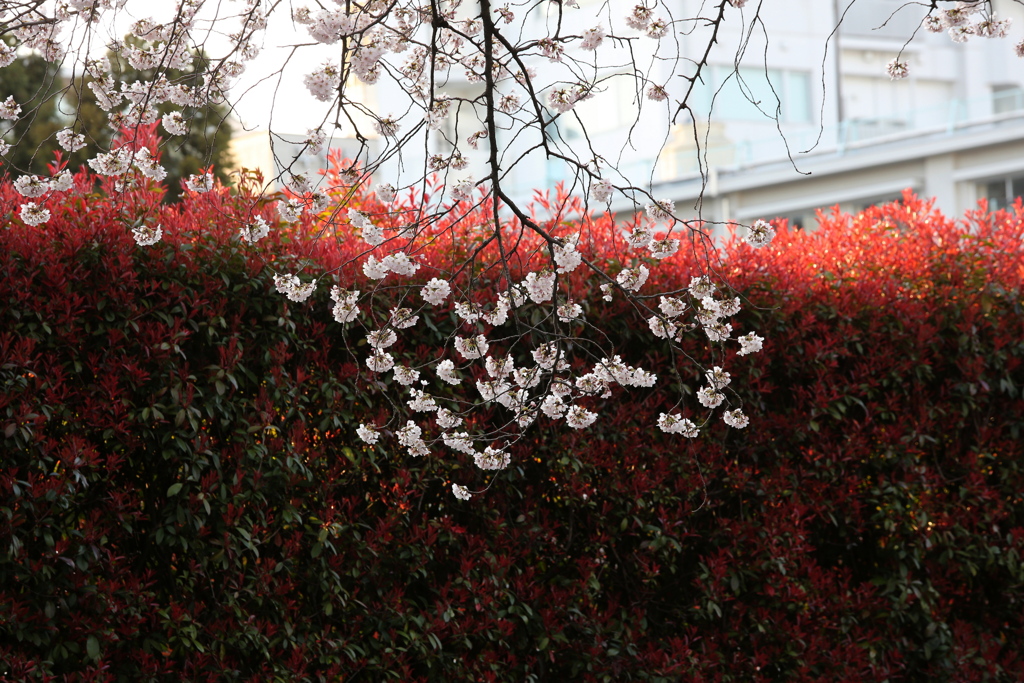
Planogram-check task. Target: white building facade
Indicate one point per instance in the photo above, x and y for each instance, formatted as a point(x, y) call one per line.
point(952, 130)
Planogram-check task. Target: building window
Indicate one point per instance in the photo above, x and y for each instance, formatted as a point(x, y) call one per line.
point(1007, 98)
point(1002, 193)
point(754, 94)
point(796, 221)
point(866, 204)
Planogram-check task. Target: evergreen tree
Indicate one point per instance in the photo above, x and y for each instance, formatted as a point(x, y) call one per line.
point(51, 102)
point(205, 144)
point(35, 84)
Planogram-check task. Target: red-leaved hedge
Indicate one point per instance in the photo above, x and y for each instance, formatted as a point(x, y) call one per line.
point(182, 495)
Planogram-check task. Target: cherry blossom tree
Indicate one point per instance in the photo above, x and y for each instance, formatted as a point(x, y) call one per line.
point(445, 99)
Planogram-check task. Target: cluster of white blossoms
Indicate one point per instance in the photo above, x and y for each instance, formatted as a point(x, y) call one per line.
point(371, 234)
point(323, 83)
point(661, 210)
point(550, 387)
point(436, 291)
point(382, 338)
point(290, 210)
point(148, 165)
point(315, 140)
point(592, 38)
point(735, 418)
point(421, 401)
point(33, 214)
point(114, 163)
point(664, 248)
point(569, 311)
point(174, 123)
point(897, 69)
point(446, 371)
point(380, 361)
point(202, 182)
point(601, 190)
point(9, 109)
point(345, 309)
point(963, 20)
point(677, 424)
point(254, 231)
point(411, 436)
point(761, 234)
point(632, 279)
point(564, 99)
point(301, 183)
point(69, 140)
point(472, 347)
point(386, 192)
point(967, 19)
point(293, 288)
point(33, 187)
point(463, 190)
point(406, 376)
point(7, 54)
point(540, 286)
point(146, 235)
point(62, 182)
point(749, 343)
point(378, 269)
point(492, 459)
point(368, 433)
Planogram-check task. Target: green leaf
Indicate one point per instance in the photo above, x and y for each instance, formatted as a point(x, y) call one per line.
point(173, 490)
point(92, 647)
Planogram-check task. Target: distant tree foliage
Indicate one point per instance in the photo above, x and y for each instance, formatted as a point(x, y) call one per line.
point(34, 81)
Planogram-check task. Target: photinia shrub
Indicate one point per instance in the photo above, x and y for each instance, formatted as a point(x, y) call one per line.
point(183, 494)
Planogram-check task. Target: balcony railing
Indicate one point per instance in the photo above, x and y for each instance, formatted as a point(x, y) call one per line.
point(947, 118)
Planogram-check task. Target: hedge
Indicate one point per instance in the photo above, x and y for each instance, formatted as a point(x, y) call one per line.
point(182, 495)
